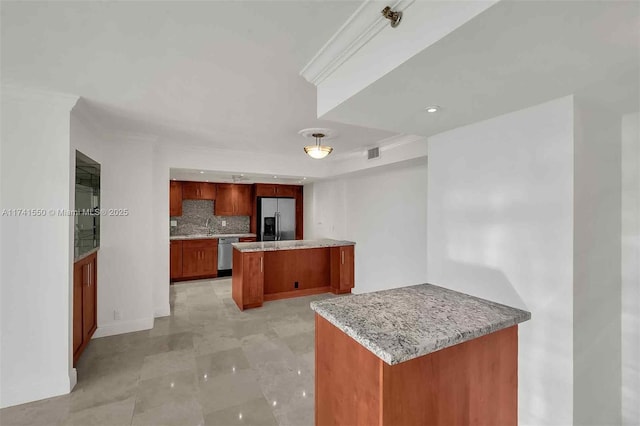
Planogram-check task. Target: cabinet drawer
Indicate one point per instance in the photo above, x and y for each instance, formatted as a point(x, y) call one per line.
point(247, 239)
point(199, 244)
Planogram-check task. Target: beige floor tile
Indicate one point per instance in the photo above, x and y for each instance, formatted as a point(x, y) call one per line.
point(167, 362)
point(176, 387)
point(256, 412)
point(173, 413)
point(224, 391)
point(115, 413)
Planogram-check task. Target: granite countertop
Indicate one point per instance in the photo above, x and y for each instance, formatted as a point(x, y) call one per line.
point(84, 255)
point(405, 323)
point(209, 236)
point(290, 245)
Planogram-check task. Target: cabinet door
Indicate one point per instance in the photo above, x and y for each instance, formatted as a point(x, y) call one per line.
point(191, 259)
point(207, 191)
point(224, 200)
point(347, 267)
point(253, 278)
point(175, 198)
point(190, 190)
point(175, 259)
point(199, 258)
point(265, 190)
point(285, 191)
point(243, 204)
point(209, 265)
point(89, 298)
point(78, 281)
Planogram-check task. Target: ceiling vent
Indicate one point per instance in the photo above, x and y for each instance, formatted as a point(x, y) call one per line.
point(373, 153)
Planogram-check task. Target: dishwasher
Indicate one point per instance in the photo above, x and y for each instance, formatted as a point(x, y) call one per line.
point(225, 255)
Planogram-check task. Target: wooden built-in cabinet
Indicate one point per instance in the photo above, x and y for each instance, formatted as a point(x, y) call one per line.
point(85, 275)
point(175, 249)
point(342, 271)
point(274, 190)
point(233, 200)
point(199, 258)
point(248, 279)
point(198, 191)
point(193, 259)
point(175, 198)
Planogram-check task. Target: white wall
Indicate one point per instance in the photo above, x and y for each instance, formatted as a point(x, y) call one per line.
point(500, 226)
point(630, 257)
point(383, 210)
point(596, 263)
point(126, 242)
point(35, 279)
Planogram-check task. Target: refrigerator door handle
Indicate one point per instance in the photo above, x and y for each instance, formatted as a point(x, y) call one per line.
point(277, 215)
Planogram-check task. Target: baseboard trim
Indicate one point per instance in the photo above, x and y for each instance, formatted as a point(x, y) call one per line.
point(121, 327)
point(32, 390)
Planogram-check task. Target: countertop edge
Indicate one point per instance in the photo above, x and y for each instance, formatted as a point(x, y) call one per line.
point(85, 255)
point(258, 249)
point(429, 347)
point(209, 237)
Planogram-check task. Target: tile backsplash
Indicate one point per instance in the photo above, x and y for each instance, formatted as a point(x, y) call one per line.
point(194, 218)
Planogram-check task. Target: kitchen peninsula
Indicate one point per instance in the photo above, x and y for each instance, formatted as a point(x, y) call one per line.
point(271, 270)
point(419, 355)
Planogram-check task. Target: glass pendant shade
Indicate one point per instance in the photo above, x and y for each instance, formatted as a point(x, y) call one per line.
point(318, 151)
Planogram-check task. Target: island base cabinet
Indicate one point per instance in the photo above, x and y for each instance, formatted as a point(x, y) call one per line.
point(472, 383)
point(248, 279)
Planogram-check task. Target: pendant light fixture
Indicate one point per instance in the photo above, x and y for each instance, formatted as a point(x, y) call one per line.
point(318, 151)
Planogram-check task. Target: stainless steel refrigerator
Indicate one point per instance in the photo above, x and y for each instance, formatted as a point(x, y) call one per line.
point(277, 219)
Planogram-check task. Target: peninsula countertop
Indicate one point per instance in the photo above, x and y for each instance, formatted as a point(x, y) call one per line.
point(208, 236)
point(401, 324)
point(290, 245)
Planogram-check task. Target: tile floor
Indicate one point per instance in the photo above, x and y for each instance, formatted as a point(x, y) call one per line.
point(206, 364)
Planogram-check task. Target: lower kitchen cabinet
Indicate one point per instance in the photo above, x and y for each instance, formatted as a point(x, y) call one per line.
point(194, 259)
point(84, 303)
point(342, 271)
point(175, 259)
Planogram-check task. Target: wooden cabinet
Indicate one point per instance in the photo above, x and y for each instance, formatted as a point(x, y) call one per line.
point(233, 200)
point(247, 239)
point(199, 258)
point(248, 279)
point(342, 270)
point(198, 191)
point(273, 190)
point(175, 248)
point(84, 303)
point(175, 198)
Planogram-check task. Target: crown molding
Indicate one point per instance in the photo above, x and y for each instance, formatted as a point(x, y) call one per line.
point(16, 93)
point(364, 24)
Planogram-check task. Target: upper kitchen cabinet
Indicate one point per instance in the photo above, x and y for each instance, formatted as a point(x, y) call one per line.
point(233, 200)
point(175, 198)
point(198, 191)
point(272, 190)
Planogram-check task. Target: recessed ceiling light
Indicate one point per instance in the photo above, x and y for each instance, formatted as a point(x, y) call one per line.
point(433, 108)
point(304, 178)
point(275, 177)
point(241, 174)
point(201, 171)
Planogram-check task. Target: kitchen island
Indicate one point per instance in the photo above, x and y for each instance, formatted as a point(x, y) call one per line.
point(271, 270)
point(419, 355)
